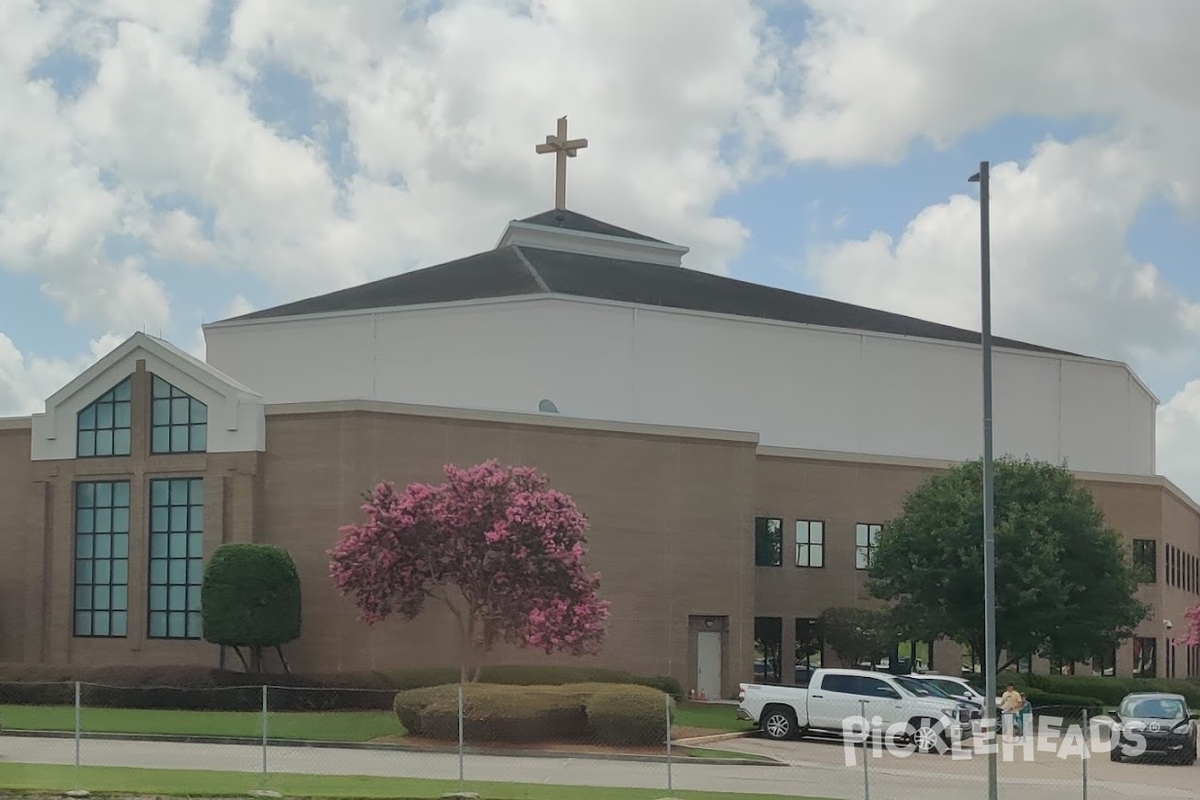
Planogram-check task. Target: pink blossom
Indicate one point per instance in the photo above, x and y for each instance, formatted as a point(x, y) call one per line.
point(1191, 636)
point(511, 546)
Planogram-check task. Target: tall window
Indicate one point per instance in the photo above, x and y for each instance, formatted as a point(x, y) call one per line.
point(102, 428)
point(176, 557)
point(768, 542)
point(178, 421)
point(1105, 663)
point(1060, 667)
point(1145, 556)
point(1145, 657)
point(866, 539)
point(102, 558)
point(810, 543)
point(810, 649)
point(1170, 659)
point(768, 649)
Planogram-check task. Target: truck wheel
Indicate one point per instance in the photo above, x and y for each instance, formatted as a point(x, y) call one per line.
point(778, 722)
point(926, 735)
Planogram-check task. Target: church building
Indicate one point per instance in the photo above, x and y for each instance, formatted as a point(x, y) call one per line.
point(736, 447)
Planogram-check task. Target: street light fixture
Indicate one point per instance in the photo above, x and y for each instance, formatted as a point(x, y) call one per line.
point(989, 502)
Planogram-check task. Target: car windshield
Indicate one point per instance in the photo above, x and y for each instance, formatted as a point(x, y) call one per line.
point(949, 687)
point(1153, 708)
point(919, 687)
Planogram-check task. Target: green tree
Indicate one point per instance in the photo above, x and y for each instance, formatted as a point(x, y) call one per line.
point(1065, 582)
point(250, 598)
point(859, 635)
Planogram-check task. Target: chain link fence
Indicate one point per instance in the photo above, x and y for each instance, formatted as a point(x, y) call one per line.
point(465, 738)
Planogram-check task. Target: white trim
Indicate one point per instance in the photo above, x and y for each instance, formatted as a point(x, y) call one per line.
point(235, 416)
point(547, 237)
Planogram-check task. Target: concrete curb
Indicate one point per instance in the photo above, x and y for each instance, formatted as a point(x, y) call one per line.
point(400, 748)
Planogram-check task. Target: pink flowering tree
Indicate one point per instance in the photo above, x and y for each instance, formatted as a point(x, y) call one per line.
point(494, 545)
point(1191, 636)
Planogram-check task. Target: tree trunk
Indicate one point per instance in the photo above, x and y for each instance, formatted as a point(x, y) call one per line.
point(256, 658)
point(242, 658)
point(279, 649)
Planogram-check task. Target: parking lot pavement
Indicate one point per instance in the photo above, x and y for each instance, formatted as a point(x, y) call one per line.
point(1044, 774)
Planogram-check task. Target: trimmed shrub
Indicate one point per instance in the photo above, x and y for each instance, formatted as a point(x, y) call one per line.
point(1048, 701)
point(251, 599)
point(626, 718)
point(604, 712)
point(208, 689)
point(1110, 690)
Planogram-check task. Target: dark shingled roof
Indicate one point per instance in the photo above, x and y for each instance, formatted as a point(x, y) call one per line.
point(584, 224)
point(522, 271)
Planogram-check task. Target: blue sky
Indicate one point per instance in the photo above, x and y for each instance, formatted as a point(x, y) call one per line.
point(191, 160)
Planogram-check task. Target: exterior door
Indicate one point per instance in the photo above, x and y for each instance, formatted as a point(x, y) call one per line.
point(708, 664)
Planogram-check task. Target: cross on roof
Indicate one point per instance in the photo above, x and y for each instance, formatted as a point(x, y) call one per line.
point(563, 148)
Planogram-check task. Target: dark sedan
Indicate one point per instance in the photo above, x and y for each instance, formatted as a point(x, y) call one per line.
point(1156, 726)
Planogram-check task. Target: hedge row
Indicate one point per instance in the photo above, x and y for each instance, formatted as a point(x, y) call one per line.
point(206, 689)
point(1108, 690)
point(605, 713)
point(1058, 704)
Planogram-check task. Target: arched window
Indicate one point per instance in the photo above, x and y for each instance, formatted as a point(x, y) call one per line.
point(103, 427)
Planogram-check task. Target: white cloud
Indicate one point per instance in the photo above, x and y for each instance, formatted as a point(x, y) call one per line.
point(27, 380)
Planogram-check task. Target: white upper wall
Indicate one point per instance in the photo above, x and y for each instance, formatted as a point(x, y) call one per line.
point(794, 385)
point(236, 418)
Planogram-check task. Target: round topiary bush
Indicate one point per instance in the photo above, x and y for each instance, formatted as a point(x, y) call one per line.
point(627, 719)
point(250, 597)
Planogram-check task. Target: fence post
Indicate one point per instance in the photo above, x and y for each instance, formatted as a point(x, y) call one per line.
point(462, 779)
point(866, 751)
point(264, 736)
point(670, 763)
point(78, 731)
point(1087, 755)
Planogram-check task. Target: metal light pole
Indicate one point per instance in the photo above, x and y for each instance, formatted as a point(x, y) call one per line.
point(989, 502)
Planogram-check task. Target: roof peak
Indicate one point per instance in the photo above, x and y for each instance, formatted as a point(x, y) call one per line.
point(572, 232)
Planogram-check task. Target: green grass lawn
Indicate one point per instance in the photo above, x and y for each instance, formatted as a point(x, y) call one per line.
point(326, 726)
point(718, 718)
point(143, 782)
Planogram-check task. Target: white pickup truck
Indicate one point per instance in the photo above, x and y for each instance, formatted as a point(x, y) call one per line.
point(835, 695)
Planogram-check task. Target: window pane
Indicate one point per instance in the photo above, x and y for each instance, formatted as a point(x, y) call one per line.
point(177, 598)
point(199, 412)
point(85, 521)
point(83, 624)
point(160, 440)
point(158, 598)
point(120, 520)
point(158, 571)
point(160, 521)
point(103, 520)
point(159, 387)
point(160, 412)
point(193, 625)
point(103, 546)
point(101, 597)
point(158, 624)
point(179, 409)
point(176, 571)
point(816, 532)
point(179, 545)
point(860, 536)
point(120, 598)
point(160, 492)
point(195, 545)
point(87, 418)
point(104, 442)
point(123, 390)
point(195, 571)
point(179, 438)
point(120, 623)
point(176, 624)
point(121, 442)
point(199, 438)
point(83, 571)
point(179, 518)
point(102, 572)
point(104, 415)
point(83, 598)
point(87, 443)
point(179, 492)
point(122, 415)
point(193, 598)
point(158, 545)
point(85, 495)
point(83, 545)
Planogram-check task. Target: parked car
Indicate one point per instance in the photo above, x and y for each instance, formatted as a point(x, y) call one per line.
point(1162, 720)
point(950, 691)
point(956, 687)
point(834, 695)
